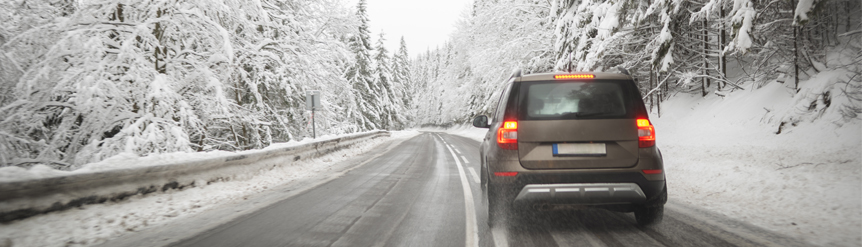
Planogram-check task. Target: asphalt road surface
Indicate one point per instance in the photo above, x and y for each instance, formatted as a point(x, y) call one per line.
point(425, 192)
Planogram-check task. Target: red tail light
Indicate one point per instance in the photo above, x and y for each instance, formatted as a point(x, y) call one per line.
point(505, 174)
point(507, 135)
point(646, 133)
point(652, 171)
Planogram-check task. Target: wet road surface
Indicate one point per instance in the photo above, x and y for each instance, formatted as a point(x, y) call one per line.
point(425, 192)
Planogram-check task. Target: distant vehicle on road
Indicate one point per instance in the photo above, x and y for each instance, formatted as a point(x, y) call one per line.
point(571, 139)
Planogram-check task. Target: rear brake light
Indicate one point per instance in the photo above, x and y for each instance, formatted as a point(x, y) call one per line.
point(505, 174)
point(507, 135)
point(574, 77)
point(646, 133)
point(652, 171)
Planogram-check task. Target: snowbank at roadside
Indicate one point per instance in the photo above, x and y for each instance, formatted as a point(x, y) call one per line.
point(465, 130)
point(130, 160)
point(94, 224)
point(723, 154)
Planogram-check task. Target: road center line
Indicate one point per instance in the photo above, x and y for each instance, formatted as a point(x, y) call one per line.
point(472, 238)
point(465, 159)
point(475, 176)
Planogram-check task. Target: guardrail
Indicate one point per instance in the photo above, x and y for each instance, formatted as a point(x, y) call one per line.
point(22, 199)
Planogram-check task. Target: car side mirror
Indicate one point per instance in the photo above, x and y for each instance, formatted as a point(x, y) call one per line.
point(481, 121)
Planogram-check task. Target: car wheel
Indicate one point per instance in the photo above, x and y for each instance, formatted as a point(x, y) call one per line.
point(647, 216)
point(652, 212)
point(498, 207)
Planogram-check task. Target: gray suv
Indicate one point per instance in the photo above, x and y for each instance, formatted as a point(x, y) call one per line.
point(571, 139)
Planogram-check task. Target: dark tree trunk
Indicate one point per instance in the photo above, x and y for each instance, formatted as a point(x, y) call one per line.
point(160, 50)
point(666, 89)
point(705, 52)
point(659, 96)
point(721, 42)
point(849, 10)
point(795, 52)
point(651, 103)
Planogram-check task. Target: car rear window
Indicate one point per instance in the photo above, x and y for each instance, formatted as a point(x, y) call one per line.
point(551, 100)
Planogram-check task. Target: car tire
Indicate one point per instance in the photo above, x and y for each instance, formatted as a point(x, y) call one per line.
point(653, 212)
point(648, 216)
point(498, 207)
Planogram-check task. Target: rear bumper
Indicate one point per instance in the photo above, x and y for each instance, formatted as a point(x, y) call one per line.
point(578, 188)
point(583, 193)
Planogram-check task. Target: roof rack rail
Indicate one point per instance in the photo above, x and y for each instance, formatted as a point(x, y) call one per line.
point(623, 70)
point(516, 73)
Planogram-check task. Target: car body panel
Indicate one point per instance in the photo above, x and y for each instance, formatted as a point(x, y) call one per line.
point(536, 166)
point(536, 139)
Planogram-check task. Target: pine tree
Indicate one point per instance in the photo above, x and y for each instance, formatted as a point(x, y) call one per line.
point(360, 77)
point(89, 80)
point(386, 96)
point(401, 83)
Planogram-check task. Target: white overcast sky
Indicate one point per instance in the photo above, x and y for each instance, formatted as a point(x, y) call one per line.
point(424, 24)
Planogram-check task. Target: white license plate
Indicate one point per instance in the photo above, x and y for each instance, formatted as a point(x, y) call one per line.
point(579, 149)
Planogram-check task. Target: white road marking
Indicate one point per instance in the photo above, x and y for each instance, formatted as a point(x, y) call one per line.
point(457, 151)
point(475, 176)
point(499, 235)
point(465, 159)
point(472, 238)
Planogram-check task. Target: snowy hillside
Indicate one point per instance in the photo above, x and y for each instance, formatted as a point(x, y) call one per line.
point(723, 154)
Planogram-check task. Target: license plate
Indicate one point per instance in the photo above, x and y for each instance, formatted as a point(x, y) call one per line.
point(579, 149)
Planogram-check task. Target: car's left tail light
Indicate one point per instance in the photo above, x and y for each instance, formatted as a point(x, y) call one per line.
point(646, 133)
point(507, 135)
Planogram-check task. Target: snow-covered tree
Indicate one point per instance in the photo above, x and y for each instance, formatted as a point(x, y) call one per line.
point(386, 95)
point(666, 44)
point(401, 83)
point(360, 75)
point(457, 80)
point(83, 81)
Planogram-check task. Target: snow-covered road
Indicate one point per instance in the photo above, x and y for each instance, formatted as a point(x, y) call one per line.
point(730, 179)
point(410, 194)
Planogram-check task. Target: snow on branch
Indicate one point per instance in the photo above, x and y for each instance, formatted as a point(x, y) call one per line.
point(742, 19)
point(144, 77)
point(802, 10)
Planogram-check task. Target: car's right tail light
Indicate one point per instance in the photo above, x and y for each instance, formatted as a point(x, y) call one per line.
point(507, 135)
point(652, 171)
point(646, 133)
point(505, 174)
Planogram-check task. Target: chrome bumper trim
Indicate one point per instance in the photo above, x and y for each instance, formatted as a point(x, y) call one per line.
point(583, 193)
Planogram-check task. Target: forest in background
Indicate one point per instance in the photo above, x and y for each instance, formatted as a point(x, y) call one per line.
point(81, 81)
point(671, 46)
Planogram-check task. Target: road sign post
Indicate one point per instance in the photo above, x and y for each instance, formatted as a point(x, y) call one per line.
point(312, 102)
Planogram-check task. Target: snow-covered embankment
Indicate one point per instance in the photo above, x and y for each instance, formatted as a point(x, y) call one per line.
point(24, 193)
point(724, 154)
